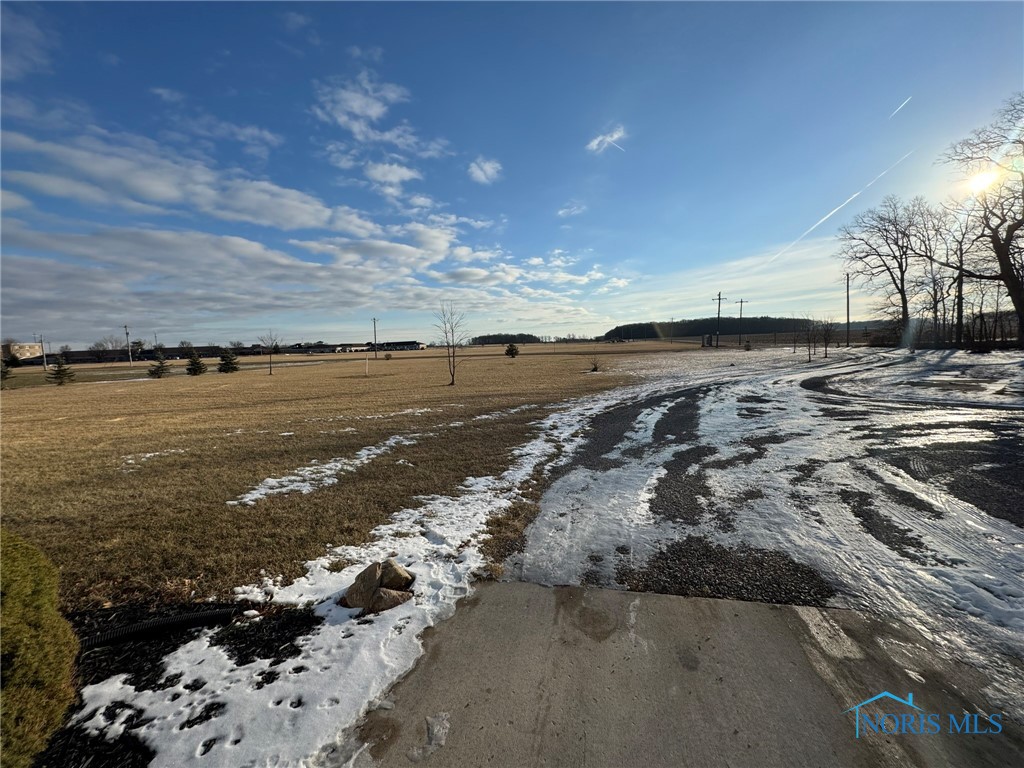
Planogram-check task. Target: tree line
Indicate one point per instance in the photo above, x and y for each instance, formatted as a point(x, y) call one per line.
point(505, 338)
point(704, 326)
point(952, 272)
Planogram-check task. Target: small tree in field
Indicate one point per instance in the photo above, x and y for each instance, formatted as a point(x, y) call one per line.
point(272, 343)
point(512, 351)
point(228, 361)
point(452, 325)
point(160, 367)
point(827, 332)
point(5, 372)
point(196, 366)
point(61, 373)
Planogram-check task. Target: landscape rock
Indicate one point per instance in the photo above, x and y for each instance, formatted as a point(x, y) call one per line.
point(394, 576)
point(383, 599)
point(360, 594)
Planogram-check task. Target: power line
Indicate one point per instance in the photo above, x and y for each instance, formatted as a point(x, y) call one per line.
point(739, 335)
point(718, 327)
point(848, 306)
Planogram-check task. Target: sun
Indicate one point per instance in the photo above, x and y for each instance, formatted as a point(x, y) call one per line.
point(979, 182)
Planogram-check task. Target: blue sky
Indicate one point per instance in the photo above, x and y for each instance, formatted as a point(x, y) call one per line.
point(211, 170)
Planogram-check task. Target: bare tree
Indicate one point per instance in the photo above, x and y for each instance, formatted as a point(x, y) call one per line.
point(105, 348)
point(993, 158)
point(452, 325)
point(827, 332)
point(272, 343)
point(877, 249)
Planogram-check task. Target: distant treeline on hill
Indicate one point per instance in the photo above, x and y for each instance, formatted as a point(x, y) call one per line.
point(702, 327)
point(506, 338)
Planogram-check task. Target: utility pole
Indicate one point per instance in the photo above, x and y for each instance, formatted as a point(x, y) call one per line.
point(42, 346)
point(847, 309)
point(739, 336)
point(128, 341)
point(375, 338)
point(718, 327)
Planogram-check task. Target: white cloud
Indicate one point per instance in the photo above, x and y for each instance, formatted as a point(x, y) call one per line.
point(392, 259)
point(484, 171)
point(535, 261)
point(12, 201)
point(559, 258)
point(134, 169)
point(391, 173)
point(168, 94)
point(52, 114)
point(25, 43)
point(358, 105)
point(341, 155)
point(434, 241)
point(355, 104)
point(600, 143)
point(499, 274)
point(389, 177)
point(293, 22)
point(372, 53)
point(451, 220)
point(190, 283)
point(255, 140)
point(572, 208)
point(615, 282)
point(464, 254)
point(421, 201)
point(72, 189)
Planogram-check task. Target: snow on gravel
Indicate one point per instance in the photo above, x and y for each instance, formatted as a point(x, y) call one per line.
point(805, 472)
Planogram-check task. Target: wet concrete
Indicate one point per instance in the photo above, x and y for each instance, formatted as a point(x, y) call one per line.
point(528, 675)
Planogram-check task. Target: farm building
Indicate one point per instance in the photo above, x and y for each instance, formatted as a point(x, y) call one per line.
point(395, 346)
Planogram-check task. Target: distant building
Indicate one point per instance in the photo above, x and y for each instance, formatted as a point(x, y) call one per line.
point(395, 346)
point(23, 351)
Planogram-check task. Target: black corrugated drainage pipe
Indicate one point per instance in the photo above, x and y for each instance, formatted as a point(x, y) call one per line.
point(150, 627)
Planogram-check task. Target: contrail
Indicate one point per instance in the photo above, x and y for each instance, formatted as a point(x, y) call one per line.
point(615, 145)
point(901, 106)
point(839, 207)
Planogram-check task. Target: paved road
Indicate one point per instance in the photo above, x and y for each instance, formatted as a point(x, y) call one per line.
point(526, 675)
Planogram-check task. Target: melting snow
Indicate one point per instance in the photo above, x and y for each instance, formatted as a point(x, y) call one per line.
point(968, 596)
point(319, 474)
point(348, 664)
point(131, 462)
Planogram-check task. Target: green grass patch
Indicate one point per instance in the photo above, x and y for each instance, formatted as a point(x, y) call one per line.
point(37, 652)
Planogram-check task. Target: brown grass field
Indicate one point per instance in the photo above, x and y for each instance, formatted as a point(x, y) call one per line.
point(121, 528)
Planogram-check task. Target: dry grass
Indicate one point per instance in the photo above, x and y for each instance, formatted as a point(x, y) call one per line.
point(160, 530)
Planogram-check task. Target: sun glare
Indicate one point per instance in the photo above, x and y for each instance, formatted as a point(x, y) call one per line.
point(979, 182)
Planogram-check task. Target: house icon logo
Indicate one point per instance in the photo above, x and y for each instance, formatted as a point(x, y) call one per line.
point(903, 717)
point(880, 722)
